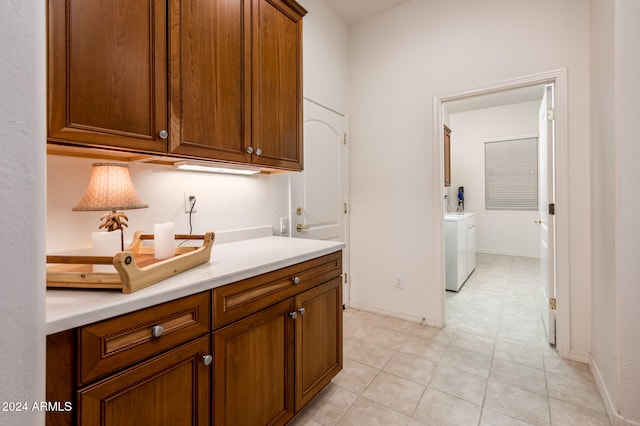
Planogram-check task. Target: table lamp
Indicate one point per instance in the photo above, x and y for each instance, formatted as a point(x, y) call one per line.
point(110, 188)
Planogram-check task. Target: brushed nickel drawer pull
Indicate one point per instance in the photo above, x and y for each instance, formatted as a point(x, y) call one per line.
point(157, 330)
point(207, 359)
point(296, 280)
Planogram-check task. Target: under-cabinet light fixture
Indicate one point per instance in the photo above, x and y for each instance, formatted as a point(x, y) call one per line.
point(215, 168)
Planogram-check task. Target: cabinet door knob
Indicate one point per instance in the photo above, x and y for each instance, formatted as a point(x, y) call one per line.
point(258, 151)
point(293, 315)
point(163, 134)
point(302, 311)
point(207, 359)
point(157, 330)
point(250, 150)
point(301, 228)
point(296, 280)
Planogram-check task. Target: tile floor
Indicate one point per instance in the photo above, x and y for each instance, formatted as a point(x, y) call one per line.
point(490, 365)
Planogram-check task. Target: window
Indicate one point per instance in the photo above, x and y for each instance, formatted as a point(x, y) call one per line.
point(511, 175)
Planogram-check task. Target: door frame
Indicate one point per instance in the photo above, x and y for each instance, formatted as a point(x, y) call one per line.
point(558, 78)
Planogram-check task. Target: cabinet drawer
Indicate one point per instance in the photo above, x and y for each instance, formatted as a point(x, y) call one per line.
point(238, 300)
point(115, 343)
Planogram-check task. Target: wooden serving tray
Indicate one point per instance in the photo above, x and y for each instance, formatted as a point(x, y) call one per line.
point(136, 267)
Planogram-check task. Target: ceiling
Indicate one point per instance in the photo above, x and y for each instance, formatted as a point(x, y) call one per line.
point(354, 10)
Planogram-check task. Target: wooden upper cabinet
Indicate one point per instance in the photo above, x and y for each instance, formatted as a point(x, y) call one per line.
point(210, 78)
point(107, 73)
point(447, 156)
point(220, 79)
point(277, 83)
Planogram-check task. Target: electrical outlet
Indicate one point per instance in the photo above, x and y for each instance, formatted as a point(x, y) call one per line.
point(284, 225)
point(399, 282)
point(189, 202)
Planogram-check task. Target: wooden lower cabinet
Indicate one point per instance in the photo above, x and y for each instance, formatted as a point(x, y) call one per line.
point(270, 364)
point(318, 339)
point(253, 373)
point(276, 345)
point(170, 389)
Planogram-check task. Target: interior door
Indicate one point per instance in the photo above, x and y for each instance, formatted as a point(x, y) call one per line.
point(319, 193)
point(546, 221)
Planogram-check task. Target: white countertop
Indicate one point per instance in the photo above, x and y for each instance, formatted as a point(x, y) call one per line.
point(230, 262)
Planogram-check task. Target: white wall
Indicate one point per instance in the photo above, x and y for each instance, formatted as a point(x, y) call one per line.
point(400, 60)
point(22, 189)
point(325, 55)
point(615, 57)
point(224, 202)
point(603, 201)
point(499, 232)
point(627, 106)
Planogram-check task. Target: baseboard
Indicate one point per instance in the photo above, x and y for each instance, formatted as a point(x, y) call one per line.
point(393, 313)
point(615, 418)
point(504, 253)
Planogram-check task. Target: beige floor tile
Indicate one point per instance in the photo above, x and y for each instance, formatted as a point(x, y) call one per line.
point(386, 337)
point(411, 367)
point(423, 348)
point(368, 353)
point(493, 351)
point(468, 361)
point(469, 387)
point(566, 414)
point(472, 342)
point(394, 392)
point(519, 354)
point(440, 335)
point(329, 406)
point(494, 418)
point(523, 405)
point(370, 413)
point(527, 378)
point(578, 370)
point(401, 325)
point(521, 337)
point(576, 391)
point(355, 376)
point(441, 409)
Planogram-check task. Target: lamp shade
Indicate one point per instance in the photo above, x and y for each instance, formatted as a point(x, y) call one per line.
point(110, 188)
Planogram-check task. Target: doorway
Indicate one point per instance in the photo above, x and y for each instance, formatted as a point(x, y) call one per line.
point(557, 269)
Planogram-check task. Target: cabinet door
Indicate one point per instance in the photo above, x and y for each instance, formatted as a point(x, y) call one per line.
point(277, 83)
point(253, 376)
point(447, 156)
point(170, 389)
point(107, 73)
point(318, 339)
point(210, 78)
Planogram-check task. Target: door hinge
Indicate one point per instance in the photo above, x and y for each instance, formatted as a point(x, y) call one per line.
point(552, 303)
point(552, 209)
point(345, 208)
point(344, 138)
point(345, 278)
point(551, 114)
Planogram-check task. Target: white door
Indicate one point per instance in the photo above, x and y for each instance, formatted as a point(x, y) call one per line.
point(320, 192)
point(547, 196)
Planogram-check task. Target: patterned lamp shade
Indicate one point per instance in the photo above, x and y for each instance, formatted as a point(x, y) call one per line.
point(110, 188)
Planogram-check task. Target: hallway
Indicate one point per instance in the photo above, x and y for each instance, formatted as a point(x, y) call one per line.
point(490, 365)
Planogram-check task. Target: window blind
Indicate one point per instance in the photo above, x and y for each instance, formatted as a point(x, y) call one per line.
point(511, 175)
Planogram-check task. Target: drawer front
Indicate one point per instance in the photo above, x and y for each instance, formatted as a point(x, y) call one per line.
point(240, 299)
point(115, 343)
